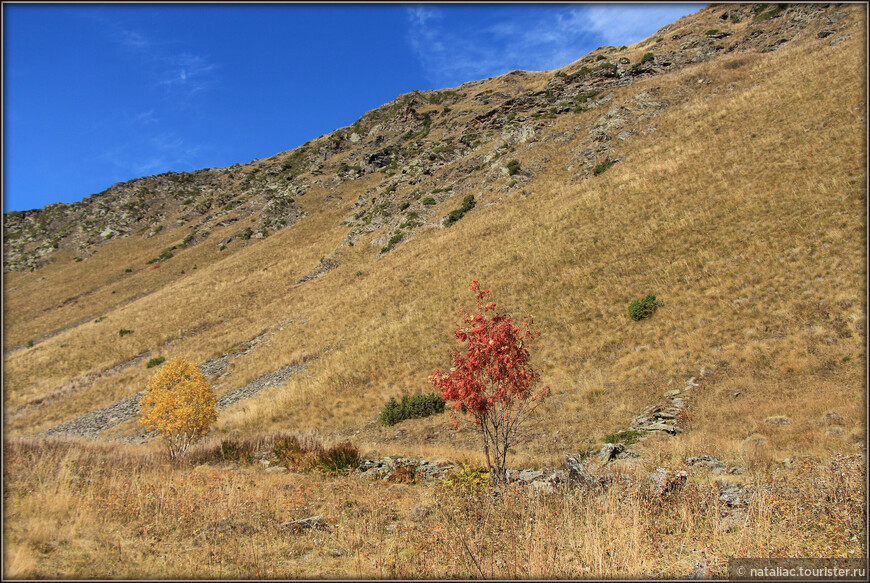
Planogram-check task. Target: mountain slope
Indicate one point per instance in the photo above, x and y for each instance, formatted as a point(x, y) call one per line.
point(725, 174)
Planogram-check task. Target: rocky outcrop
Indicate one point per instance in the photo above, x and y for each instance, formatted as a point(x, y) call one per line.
point(427, 144)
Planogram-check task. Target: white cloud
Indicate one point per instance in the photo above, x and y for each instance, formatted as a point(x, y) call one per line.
point(456, 50)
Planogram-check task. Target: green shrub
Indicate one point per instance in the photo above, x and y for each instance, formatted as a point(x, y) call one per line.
point(602, 167)
point(128, 270)
point(513, 167)
point(627, 437)
point(123, 332)
point(470, 475)
point(411, 407)
point(608, 69)
point(429, 201)
point(643, 308)
point(394, 240)
point(155, 361)
point(648, 57)
point(404, 205)
point(586, 96)
point(246, 234)
point(773, 12)
point(339, 459)
point(467, 204)
point(30, 344)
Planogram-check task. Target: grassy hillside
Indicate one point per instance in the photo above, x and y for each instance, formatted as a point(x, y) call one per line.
point(738, 200)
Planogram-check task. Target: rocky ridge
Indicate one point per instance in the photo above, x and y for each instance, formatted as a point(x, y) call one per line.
point(427, 146)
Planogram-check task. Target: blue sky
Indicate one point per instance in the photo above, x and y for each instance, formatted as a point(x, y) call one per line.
point(95, 94)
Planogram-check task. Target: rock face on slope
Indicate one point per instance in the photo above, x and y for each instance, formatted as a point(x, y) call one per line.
point(426, 146)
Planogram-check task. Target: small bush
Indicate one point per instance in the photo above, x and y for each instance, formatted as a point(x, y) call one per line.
point(394, 240)
point(404, 205)
point(123, 332)
point(602, 167)
point(339, 459)
point(608, 69)
point(467, 204)
point(30, 344)
point(295, 455)
point(643, 308)
point(513, 167)
point(411, 407)
point(470, 475)
point(128, 270)
point(235, 452)
point(627, 437)
point(428, 201)
point(157, 360)
point(772, 13)
point(404, 474)
point(648, 57)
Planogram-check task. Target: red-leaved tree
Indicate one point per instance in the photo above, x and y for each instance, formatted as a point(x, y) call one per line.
point(492, 380)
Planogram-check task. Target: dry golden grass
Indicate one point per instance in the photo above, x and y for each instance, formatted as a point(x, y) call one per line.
point(82, 510)
point(752, 237)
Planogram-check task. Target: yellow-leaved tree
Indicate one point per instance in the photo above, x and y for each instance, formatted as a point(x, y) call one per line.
point(179, 404)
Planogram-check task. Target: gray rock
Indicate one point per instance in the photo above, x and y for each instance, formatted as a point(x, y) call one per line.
point(530, 475)
point(421, 511)
point(662, 482)
point(732, 494)
point(302, 524)
point(709, 462)
point(833, 418)
point(778, 420)
point(577, 472)
point(609, 451)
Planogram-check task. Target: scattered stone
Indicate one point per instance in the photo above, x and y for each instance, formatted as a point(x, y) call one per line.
point(709, 462)
point(310, 523)
point(732, 494)
point(338, 551)
point(275, 469)
point(834, 431)
point(673, 393)
point(662, 482)
point(609, 451)
point(421, 511)
point(755, 441)
point(577, 472)
point(833, 418)
point(778, 420)
point(530, 475)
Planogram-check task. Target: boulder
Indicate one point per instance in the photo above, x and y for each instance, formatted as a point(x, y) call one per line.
point(662, 482)
point(609, 451)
